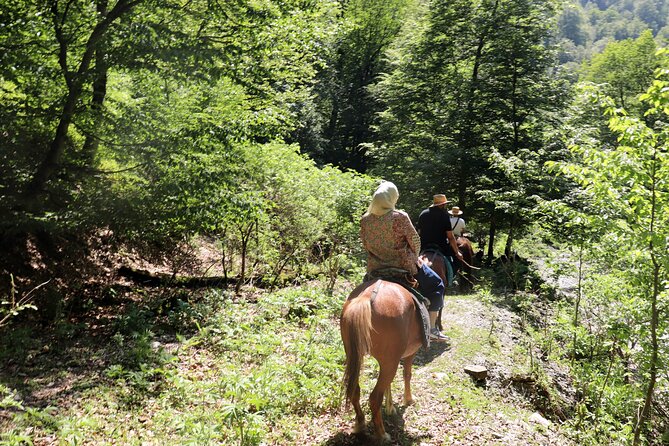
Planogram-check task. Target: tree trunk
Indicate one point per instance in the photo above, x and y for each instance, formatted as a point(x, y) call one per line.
point(245, 236)
point(224, 252)
point(509, 239)
point(99, 89)
point(75, 83)
point(644, 415)
point(491, 238)
point(579, 295)
point(53, 155)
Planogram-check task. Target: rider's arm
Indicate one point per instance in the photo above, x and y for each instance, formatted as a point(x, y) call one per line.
point(415, 244)
point(413, 239)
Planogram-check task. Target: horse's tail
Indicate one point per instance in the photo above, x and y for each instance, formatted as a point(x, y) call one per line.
point(356, 321)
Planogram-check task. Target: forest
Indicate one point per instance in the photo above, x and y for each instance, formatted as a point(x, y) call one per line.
point(181, 188)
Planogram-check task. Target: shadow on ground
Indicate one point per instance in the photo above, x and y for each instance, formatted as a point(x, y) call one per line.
point(394, 425)
point(425, 356)
point(49, 365)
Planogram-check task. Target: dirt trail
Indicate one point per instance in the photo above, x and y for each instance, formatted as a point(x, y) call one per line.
point(451, 408)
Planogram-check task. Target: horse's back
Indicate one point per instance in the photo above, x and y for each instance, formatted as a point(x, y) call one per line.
point(388, 299)
point(435, 261)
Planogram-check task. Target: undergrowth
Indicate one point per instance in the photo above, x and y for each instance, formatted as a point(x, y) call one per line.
point(245, 367)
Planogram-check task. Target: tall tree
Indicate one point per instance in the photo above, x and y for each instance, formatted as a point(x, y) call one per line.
point(625, 188)
point(269, 49)
point(345, 109)
point(75, 73)
point(476, 79)
point(626, 68)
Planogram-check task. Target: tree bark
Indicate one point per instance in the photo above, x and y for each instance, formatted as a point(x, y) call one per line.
point(579, 295)
point(245, 234)
point(509, 239)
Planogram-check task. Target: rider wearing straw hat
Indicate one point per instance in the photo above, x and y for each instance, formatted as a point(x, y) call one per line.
point(457, 222)
point(434, 226)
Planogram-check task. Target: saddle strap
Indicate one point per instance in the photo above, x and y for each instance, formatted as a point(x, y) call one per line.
point(375, 291)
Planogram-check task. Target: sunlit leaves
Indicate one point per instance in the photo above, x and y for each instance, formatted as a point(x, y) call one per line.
point(624, 196)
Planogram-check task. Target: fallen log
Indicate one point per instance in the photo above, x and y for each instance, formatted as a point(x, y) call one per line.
point(144, 277)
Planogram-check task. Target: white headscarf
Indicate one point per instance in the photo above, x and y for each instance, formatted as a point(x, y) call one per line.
point(384, 199)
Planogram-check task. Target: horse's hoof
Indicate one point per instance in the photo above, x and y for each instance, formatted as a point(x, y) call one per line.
point(391, 410)
point(409, 402)
point(358, 428)
point(385, 438)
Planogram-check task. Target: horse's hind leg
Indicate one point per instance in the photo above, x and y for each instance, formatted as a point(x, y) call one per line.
point(359, 415)
point(386, 374)
point(388, 397)
point(406, 372)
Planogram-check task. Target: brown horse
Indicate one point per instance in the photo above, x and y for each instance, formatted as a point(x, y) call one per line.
point(436, 262)
point(466, 266)
point(379, 318)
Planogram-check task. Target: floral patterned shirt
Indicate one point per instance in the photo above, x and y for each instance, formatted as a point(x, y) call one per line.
point(390, 241)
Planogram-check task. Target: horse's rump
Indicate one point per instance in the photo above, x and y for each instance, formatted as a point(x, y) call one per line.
point(435, 260)
point(378, 317)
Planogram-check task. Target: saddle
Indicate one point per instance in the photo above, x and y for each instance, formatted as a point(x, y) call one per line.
point(396, 275)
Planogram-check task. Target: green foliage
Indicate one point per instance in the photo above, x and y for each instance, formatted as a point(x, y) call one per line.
point(12, 307)
point(255, 364)
point(587, 27)
point(626, 68)
point(305, 207)
point(165, 107)
point(621, 220)
point(176, 129)
point(9, 400)
point(336, 126)
point(467, 107)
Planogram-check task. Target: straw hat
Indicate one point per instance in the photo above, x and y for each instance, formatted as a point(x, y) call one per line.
point(455, 211)
point(438, 200)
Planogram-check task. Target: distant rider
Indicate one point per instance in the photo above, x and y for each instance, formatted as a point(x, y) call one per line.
point(435, 229)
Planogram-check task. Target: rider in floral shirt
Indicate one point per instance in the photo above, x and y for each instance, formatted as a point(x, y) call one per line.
point(391, 241)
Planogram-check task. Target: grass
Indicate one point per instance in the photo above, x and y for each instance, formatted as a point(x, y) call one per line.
point(261, 370)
